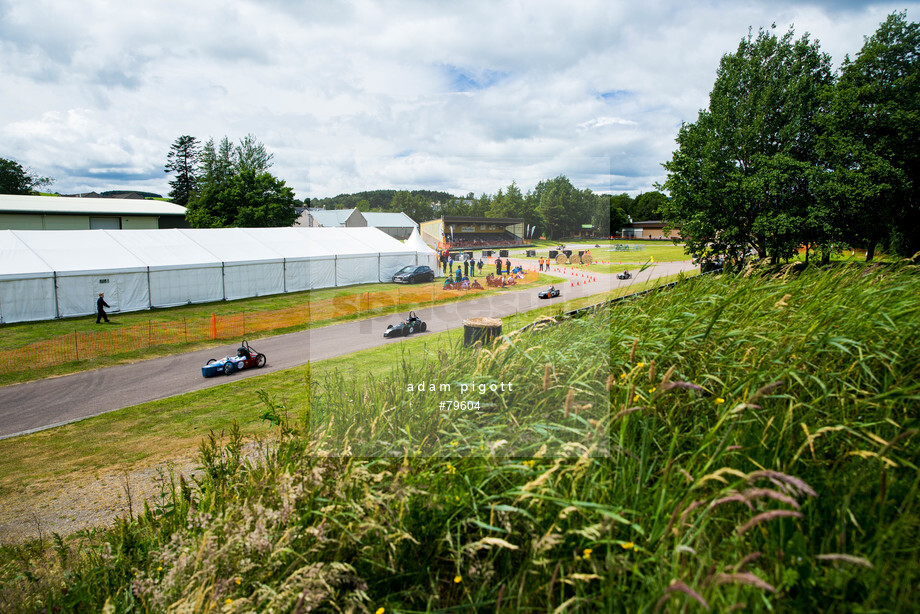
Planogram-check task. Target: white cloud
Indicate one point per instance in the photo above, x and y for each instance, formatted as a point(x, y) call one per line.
point(363, 94)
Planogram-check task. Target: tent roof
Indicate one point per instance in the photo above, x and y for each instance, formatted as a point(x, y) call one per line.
point(232, 245)
point(291, 243)
point(20, 262)
point(417, 243)
point(78, 252)
point(164, 249)
point(357, 241)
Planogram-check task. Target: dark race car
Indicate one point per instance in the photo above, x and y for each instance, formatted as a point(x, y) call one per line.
point(624, 275)
point(413, 324)
point(413, 274)
point(246, 357)
point(551, 293)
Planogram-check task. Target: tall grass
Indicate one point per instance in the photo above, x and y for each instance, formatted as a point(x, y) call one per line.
point(744, 442)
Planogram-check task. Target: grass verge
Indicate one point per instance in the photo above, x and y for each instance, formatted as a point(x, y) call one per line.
point(739, 443)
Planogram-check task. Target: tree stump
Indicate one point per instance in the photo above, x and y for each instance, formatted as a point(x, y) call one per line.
point(481, 329)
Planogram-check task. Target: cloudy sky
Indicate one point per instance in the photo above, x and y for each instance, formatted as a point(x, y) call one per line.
point(351, 95)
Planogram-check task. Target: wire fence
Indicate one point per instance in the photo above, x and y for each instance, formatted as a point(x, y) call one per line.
point(126, 338)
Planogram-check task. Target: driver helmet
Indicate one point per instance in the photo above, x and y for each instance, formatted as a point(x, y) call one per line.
point(241, 352)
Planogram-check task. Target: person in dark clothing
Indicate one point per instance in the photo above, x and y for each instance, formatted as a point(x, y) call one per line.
point(480, 266)
point(466, 268)
point(100, 311)
point(498, 266)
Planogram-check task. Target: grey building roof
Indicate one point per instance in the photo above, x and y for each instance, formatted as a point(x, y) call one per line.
point(331, 218)
point(389, 220)
point(17, 203)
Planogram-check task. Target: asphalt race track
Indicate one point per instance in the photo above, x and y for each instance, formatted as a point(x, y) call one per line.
point(46, 403)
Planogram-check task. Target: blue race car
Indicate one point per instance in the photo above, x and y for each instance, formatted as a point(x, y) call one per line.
point(246, 357)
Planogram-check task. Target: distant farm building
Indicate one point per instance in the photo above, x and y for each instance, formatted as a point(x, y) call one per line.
point(397, 225)
point(651, 229)
point(18, 212)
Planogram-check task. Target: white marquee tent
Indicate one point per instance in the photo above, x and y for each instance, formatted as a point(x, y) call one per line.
point(424, 254)
point(47, 274)
point(26, 282)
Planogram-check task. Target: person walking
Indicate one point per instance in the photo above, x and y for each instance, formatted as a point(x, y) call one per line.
point(100, 308)
point(479, 265)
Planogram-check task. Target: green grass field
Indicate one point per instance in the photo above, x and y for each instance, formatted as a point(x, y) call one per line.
point(734, 443)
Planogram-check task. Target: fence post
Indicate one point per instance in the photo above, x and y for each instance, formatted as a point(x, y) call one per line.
point(213, 326)
point(76, 347)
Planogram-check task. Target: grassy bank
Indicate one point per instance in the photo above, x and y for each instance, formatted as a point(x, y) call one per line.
point(739, 442)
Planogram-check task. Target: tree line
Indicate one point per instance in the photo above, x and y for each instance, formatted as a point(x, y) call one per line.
point(554, 208)
point(791, 154)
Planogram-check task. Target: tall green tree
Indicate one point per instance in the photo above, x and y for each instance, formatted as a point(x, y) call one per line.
point(647, 206)
point(871, 147)
point(246, 199)
point(236, 189)
point(250, 155)
point(744, 176)
point(14, 179)
point(216, 162)
point(183, 159)
point(557, 198)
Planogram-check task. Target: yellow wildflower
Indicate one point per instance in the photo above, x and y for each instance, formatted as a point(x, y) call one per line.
point(380, 611)
point(238, 581)
point(652, 389)
point(628, 546)
point(719, 401)
point(640, 365)
point(587, 553)
point(228, 601)
point(451, 470)
point(457, 579)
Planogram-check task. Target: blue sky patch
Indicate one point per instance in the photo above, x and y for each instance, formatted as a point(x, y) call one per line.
point(462, 80)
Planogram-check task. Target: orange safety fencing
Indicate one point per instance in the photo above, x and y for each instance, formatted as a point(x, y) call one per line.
point(121, 339)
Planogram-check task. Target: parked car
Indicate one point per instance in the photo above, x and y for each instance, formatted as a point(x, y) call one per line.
point(246, 357)
point(413, 274)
